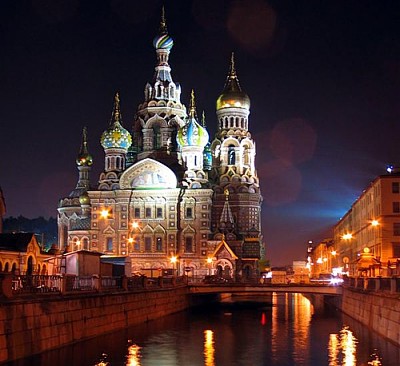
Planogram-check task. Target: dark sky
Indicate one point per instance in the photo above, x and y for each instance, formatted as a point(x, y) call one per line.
point(323, 78)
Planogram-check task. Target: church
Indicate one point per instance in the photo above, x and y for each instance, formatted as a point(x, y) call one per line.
point(171, 198)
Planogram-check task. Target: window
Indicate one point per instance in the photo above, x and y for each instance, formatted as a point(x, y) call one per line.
point(396, 250)
point(396, 207)
point(159, 244)
point(109, 244)
point(148, 212)
point(395, 187)
point(137, 212)
point(147, 244)
point(231, 155)
point(159, 213)
point(136, 246)
point(396, 228)
point(189, 212)
point(188, 244)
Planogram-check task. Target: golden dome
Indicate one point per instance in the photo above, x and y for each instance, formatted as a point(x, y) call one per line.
point(232, 96)
point(236, 99)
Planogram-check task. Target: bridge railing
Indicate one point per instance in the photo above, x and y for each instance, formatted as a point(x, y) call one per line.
point(374, 284)
point(31, 285)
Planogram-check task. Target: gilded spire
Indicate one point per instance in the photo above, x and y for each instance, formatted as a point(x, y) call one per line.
point(232, 70)
point(203, 119)
point(84, 141)
point(84, 158)
point(116, 113)
point(192, 105)
point(163, 22)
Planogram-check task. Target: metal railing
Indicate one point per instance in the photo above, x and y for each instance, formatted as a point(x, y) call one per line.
point(12, 285)
point(374, 284)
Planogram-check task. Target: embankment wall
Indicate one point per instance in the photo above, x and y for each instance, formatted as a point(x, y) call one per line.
point(32, 326)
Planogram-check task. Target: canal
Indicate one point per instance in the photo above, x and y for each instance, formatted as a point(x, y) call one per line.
point(281, 331)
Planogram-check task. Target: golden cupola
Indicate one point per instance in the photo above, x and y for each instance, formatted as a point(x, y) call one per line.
point(232, 96)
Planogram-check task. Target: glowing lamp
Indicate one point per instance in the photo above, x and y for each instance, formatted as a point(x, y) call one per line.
point(374, 222)
point(104, 214)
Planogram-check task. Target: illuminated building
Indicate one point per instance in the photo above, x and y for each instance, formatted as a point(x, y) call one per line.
point(372, 222)
point(168, 197)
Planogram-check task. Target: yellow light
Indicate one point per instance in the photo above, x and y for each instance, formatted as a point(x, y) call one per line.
point(347, 236)
point(173, 259)
point(209, 348)
point(104, 214)
point(209, 260)
point(333, 252)
point(374, 222)
point(135, 225)
point(130, 240)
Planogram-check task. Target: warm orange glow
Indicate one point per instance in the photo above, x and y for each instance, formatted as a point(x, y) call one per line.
point(209, 348)
point(342, 348)
point(133, 358)
point(347, 236)
point(374, 222)
point(130, 240)
point(104, 213)
point(333, 252)
point(209, 260)
point(173, 259)
point(135, 225)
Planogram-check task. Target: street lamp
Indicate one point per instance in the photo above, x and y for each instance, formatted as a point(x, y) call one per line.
point(209, 261)
point(173, 261)
point(104, 213)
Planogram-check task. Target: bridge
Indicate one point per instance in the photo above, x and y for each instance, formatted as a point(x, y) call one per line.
point(259, 289)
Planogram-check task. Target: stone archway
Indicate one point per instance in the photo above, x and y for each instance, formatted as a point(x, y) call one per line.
point(224, 268)
point(29, 269)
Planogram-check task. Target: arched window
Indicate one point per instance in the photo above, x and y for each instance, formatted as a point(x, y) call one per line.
point(231, 155)
point(156, 137)
point(189, 244)
point(159, 244)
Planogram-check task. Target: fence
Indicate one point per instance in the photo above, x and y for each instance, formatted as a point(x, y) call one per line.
point(22, 285)
point(374, 284)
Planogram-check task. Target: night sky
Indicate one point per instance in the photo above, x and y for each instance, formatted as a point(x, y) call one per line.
point(323, 78)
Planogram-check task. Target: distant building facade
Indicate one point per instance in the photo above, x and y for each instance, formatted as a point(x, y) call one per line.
point(20, 253)
point(372, 222)
point(168, 197)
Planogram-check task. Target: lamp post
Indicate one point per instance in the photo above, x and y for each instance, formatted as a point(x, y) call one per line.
point(209, 262)
point(173, 261)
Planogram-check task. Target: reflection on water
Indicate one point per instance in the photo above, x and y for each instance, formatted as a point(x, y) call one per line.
point(133, 357)
point(209, 349)
point(283, 330)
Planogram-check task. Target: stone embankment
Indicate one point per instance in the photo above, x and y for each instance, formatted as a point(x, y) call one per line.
point(31, 324)
point(376, 304)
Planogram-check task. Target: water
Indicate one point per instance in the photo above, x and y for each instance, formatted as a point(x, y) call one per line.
point(286, 332)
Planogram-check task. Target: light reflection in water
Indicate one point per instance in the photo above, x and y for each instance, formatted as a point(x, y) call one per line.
point(209, 348)
point(133, 357)
point(346, 343)
point(333, 349)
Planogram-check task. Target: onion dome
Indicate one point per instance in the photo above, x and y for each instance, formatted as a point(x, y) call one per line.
point(116, 137)
point(192, 133)
point(163, 40)
point(232, 96)
point(84, 199)
point(84, 158)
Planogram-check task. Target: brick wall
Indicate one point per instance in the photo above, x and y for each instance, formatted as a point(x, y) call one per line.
point(380, 312)
point(31, 326)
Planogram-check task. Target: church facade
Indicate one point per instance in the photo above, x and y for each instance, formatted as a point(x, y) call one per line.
point(170, 197)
